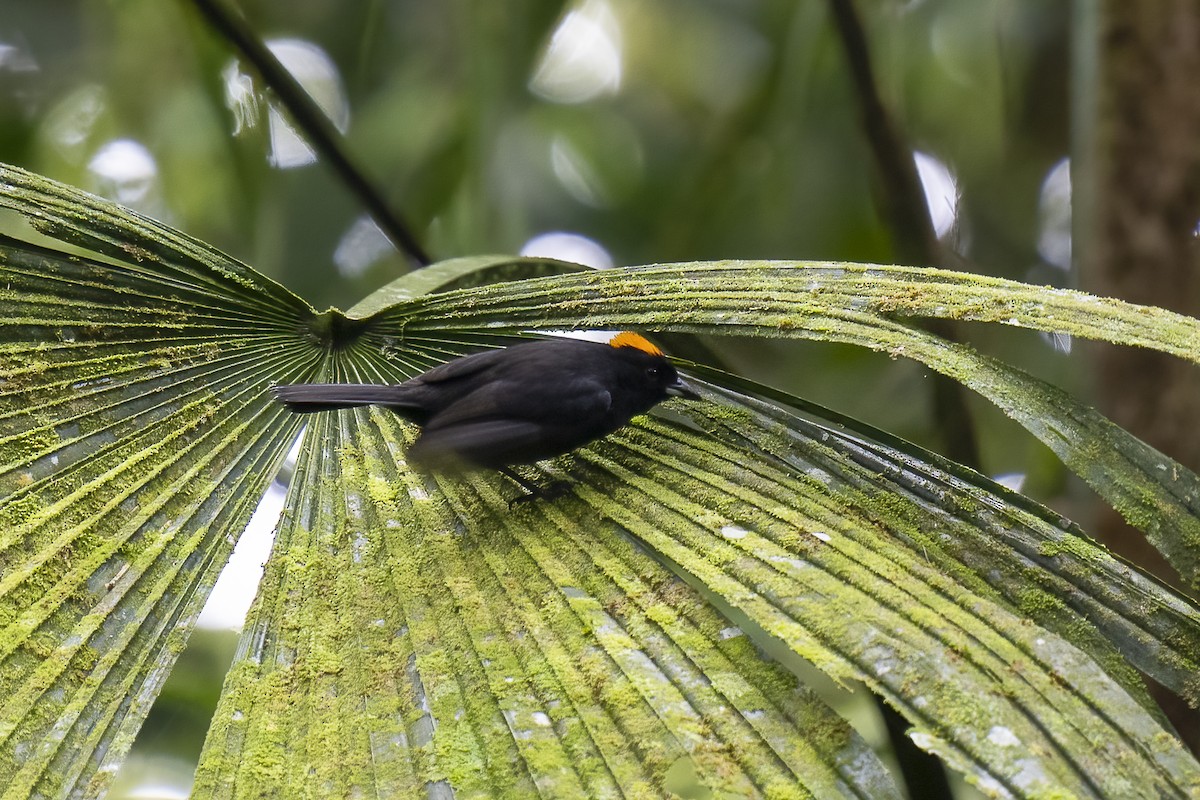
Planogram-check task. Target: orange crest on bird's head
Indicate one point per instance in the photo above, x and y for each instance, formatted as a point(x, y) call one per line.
point(636, 341)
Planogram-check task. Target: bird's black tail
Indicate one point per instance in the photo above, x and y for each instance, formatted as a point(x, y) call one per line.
point(305, 398)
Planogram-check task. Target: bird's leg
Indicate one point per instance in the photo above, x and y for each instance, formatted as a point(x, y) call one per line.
point(534, 491)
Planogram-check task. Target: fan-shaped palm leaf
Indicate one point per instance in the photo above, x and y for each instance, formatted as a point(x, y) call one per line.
point(412, 636)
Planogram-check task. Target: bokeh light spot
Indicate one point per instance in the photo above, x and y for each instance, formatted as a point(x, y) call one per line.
point(583, 59)
point(568, 247)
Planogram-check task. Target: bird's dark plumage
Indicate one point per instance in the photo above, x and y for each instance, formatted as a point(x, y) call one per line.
point(525, 403)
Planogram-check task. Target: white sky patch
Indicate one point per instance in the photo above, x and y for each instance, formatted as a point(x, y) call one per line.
point(1011, 480)
point(361, 245)
point(941, 192)
point(235, 588)
point(316, 72)
point(1054, 213)
point(71, 123)
point(124, 171)
point(319, 76)
point(588, 336)
point(570, 247)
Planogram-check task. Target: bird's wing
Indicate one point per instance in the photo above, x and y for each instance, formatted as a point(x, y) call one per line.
point(565, 402)
point(486, 442)
point(515, 421)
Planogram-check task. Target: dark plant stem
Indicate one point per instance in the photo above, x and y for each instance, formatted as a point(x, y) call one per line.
point(907, 215)
point(901, 195)
point(915, 242)
point(311, 120)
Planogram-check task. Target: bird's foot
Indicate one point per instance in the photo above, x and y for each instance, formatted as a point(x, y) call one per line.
point(548, 492)
point(534, 491)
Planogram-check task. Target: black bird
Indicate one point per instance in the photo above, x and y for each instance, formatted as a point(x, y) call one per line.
point(522, 404)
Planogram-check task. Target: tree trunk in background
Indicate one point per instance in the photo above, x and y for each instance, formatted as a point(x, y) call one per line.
point(1138, 204)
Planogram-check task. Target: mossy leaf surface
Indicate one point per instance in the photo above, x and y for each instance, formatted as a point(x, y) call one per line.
point(415, 636)
point(868, 306)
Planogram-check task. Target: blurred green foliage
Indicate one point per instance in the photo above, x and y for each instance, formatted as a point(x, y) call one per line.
point(733, 132)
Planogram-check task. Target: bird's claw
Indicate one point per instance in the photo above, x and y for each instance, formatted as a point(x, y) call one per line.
point(549, 492)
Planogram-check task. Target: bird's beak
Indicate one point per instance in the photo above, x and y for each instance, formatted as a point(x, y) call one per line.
point(681, 389)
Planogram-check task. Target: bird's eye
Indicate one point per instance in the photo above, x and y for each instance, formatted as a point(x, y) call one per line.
point(652, 371)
